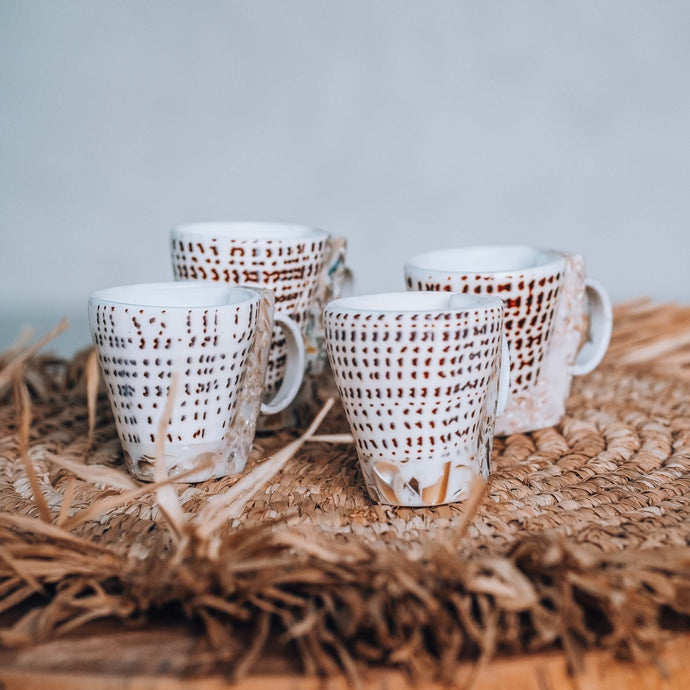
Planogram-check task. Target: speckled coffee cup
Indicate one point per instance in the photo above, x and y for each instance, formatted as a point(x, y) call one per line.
point(303, 266)
point(558, 321)
point(215, 340)
point(421, 377)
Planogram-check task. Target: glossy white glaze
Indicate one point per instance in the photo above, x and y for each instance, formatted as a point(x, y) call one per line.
point(215, 340)
point(418, 374)
point(546, 319)
point(303, 266)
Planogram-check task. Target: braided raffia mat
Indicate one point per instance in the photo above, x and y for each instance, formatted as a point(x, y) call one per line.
point(580, 539)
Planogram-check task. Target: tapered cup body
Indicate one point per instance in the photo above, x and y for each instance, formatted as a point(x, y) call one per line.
point(558, 321)
point(212, 341)
point(418, 374)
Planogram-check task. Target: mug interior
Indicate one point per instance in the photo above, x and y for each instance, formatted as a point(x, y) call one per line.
point(174, 295)
point(485, 259)
point(249, 231)
point(418, 301)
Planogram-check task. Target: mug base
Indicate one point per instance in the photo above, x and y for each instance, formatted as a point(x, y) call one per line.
point(516, 421)
point(459, 499)
point(396, 484)
point(212, 459)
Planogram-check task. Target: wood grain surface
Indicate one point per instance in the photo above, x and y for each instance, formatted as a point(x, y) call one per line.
point(112, 657)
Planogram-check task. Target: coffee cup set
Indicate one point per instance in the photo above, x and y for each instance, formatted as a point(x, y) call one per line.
point(485, 340)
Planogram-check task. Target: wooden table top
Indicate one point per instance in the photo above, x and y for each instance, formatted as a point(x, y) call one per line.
point(114, 657)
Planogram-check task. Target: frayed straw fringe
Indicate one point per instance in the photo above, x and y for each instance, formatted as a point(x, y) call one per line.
point(347, 600)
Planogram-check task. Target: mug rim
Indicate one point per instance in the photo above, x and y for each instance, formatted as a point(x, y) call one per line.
point(249, 231)
point(475, 303)
point(553, 258)
point(244, 295)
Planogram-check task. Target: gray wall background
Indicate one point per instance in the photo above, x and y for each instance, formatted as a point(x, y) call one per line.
point(402, 125)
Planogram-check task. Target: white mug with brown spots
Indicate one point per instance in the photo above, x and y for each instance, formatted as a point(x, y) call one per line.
point(206, 348)
point(422, 377)
point(558, 320)
point(303, 266)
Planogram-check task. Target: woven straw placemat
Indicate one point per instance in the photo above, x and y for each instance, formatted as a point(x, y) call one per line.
point(580, 538)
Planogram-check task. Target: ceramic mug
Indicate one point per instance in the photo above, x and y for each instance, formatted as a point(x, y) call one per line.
point(215, 339)
point(422, 377)
point(303, 266)
point(552, 308)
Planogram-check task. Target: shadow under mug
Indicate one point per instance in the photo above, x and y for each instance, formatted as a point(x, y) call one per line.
point(214, 341)
point(421, 377)
point(558, 321)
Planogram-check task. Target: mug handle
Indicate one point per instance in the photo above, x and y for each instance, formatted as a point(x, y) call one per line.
point(599, 331)
point(294, 369)
point(336, 277)
point(503, 378)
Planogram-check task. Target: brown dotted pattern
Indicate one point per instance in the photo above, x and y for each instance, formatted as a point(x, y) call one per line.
point(531, 302)
point(139, 348)
point(417, 386)
point(290, 268)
